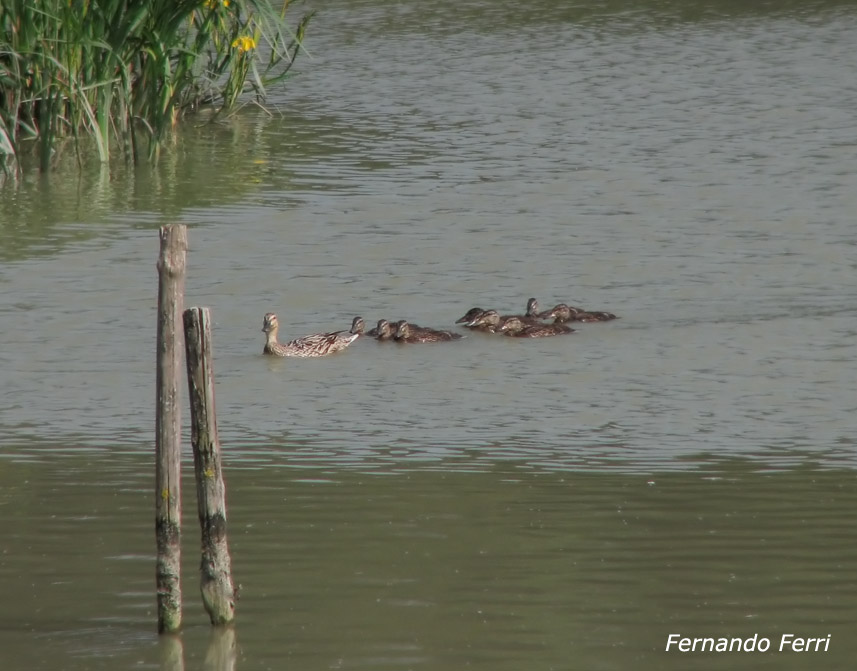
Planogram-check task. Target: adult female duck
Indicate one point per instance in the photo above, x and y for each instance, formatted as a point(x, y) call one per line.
point(315, 345)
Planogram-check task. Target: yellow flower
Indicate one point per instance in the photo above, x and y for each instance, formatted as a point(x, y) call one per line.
point(244, 43)
point(212, 4)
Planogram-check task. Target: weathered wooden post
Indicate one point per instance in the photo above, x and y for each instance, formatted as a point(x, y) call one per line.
point(168, 499)
point(218, 591)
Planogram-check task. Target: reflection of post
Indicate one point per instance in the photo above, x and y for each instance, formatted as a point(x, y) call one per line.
point(218, 592)
point(172, 653)
point(221, 654)
point(168, 500)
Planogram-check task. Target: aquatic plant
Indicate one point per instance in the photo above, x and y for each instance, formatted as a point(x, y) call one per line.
point(123, 72)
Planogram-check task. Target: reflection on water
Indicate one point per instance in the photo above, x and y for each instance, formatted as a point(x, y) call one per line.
point(689, 466)
point(434, 570)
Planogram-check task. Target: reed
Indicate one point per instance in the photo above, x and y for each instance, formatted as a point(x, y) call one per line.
point(123, 72)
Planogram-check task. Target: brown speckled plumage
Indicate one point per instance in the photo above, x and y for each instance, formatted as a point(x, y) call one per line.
point(565, 313)
point(516, 328)
point(409, 333)
point(489, 320)
point(315, 345)
point(469, 316)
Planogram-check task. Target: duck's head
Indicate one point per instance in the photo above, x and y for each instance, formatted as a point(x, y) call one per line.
point(510, 325)
point(532, 308)
point(469, 316)
point(270, 323)
point(358, 325)
point(383, 330)
point(488, 318)
point(560, 313)
point(403, 329)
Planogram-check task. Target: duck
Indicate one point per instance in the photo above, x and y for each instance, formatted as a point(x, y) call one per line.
point(531, 315)
point(484, 320)
point(314, 345)
point(532, 309)
point(565, 313)
point(374, 331)
point(416, 329)
point(408, 333)
point(358, 326)
point(469, 316)
point(516, 328)
point(383, 331)
point(473, 320)
point(489, 320)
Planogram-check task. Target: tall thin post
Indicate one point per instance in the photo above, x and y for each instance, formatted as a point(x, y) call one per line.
point(168, 500)
point(218, 591)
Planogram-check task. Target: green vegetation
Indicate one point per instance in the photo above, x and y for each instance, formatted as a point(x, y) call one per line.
point(123, 72)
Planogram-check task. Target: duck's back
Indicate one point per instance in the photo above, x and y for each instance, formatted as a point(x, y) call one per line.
point(542, 331)
point(320, 344)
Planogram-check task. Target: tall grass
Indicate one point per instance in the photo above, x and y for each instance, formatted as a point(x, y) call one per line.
point(123, 72)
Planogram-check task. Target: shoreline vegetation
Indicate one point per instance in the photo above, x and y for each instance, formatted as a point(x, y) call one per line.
point(120, 74)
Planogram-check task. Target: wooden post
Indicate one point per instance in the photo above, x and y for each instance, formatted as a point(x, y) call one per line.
point(168, 499)
point(218, 591)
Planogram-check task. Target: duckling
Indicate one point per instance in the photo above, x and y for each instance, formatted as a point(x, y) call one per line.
point(315, 345)
point(515, 327)
point(484, 320)
point(565, 313)
point(382, 331)
point(489, 320)
point(531, 316)
point(532, 309)
point(594, 316)
point(373, 332)
point(473, 320)
point(409, 334)
point(358, 326)
point(469, 316)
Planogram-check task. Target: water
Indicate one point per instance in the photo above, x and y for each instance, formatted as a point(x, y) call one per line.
point(688, 166)
point(433, 570)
